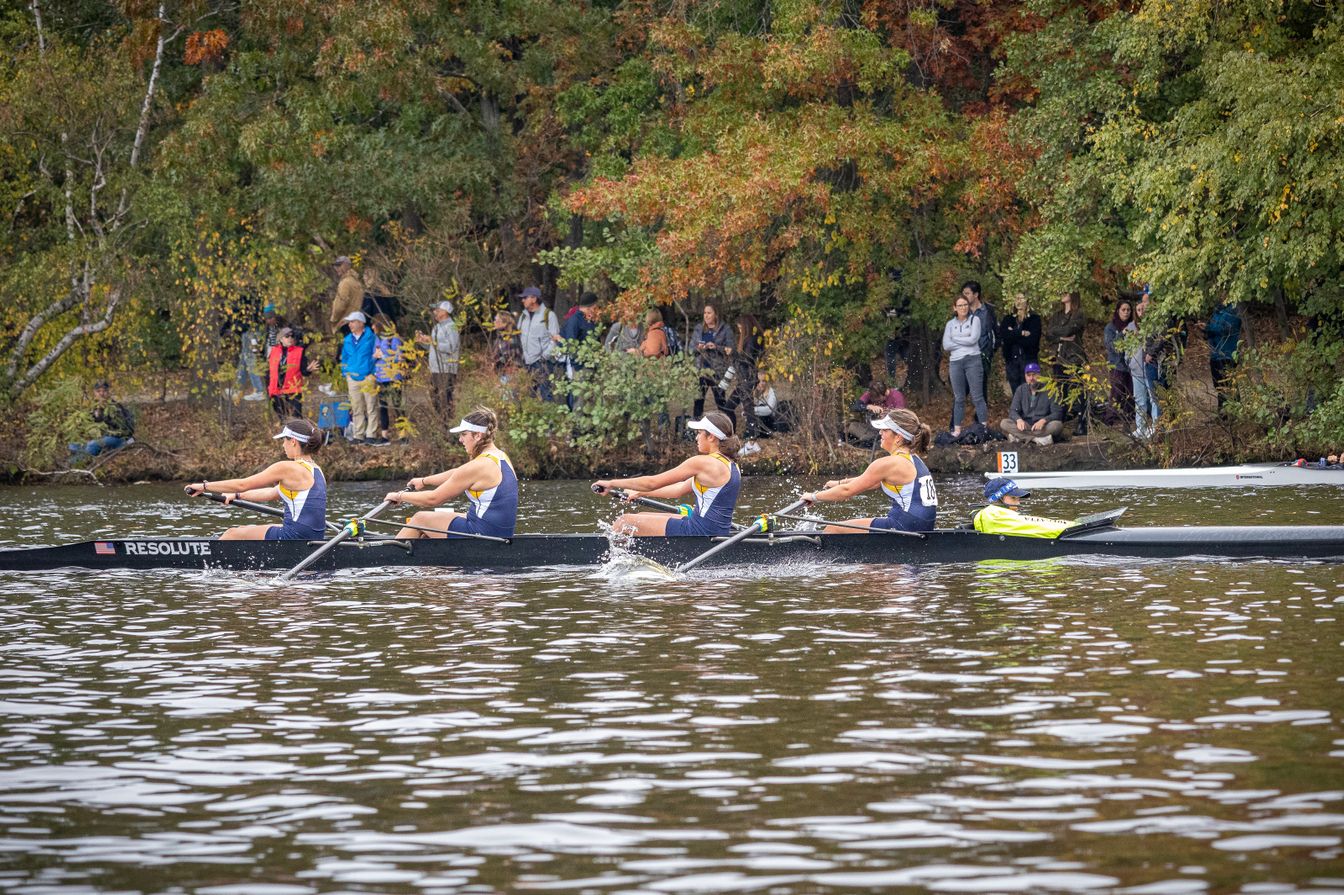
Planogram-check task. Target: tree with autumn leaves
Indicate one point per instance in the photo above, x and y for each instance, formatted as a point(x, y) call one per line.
point(840, 159)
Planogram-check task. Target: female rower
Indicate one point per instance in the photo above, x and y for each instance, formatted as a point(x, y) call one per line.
point(297, 481)
point(711, 476)
point(901, 474)
point(487, 478)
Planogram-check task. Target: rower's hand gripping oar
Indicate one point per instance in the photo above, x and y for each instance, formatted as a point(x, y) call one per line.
point(352, 528)
point(758, 526)
point(254, 507)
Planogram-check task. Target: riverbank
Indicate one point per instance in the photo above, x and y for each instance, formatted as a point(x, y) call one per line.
point(179, 440)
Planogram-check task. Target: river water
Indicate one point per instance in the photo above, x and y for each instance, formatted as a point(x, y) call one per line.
point(1082, 725)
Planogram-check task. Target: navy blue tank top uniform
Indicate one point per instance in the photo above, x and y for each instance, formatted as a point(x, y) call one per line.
point(914, 505)
point(712, 515)
point(305, 516)
point(493, 511)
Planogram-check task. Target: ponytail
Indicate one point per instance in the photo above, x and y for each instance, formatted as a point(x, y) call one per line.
point(910, 422)
point(316, 437)
point(727, 446)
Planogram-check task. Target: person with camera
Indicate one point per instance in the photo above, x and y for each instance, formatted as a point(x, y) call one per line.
point(714, 345)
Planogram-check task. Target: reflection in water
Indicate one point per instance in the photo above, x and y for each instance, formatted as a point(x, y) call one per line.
point(1070, 726)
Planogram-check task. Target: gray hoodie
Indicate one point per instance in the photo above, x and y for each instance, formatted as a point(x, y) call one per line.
point(534, 334)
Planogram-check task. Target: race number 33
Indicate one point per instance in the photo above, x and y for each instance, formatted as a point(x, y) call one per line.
point(1008, 462)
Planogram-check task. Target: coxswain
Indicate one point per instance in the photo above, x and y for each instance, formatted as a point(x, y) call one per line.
point(901, 475)
point(296, 481)
point(487, 478)
point(711, 476)
point(1003, 516)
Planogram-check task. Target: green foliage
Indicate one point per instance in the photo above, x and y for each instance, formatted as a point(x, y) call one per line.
point(1291, 394)
point(58, 418)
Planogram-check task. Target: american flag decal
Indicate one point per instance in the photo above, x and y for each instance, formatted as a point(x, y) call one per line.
point(104, 548)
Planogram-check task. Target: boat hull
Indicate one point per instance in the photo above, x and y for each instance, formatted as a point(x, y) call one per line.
point(527, 552)
point(1255, 475)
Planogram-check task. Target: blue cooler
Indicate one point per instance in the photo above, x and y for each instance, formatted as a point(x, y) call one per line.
point(333, 415)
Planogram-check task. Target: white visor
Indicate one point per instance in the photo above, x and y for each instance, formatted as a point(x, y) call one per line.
point(707, 426)
point(886, 422)
point(290, 433)
point(465, 426)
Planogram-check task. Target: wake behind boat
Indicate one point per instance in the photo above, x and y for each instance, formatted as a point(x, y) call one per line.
point(1251, 475)
point(526, 552)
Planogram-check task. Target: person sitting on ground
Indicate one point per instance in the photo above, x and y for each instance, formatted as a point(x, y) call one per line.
point(297, 482)
point(711, 476)
point(1034, 414)
point(901, 475)
point(876, 401)
point(116, 424)
point(1004, 517)
point(766, 409)
point(655, 336)
point(487, 478)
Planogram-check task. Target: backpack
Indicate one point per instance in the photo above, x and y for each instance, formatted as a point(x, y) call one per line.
point(673, 341)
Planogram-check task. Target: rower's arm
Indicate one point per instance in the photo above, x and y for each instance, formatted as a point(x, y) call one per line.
point(450, 485)
point(645, 484)
point(276, 474)
point(886, 468)
point(260, 495)
point(671, 492)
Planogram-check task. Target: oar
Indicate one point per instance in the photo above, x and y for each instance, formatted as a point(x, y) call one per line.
point(876, 531)
point(352, 528)
point(257, 507)
point(648, 502)
point(753, 528)
point(436, 531)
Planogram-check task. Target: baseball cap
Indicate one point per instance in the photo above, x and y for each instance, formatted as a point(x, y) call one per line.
point(997, 489)
point(355, 315)
point(342, 259)
point(530, 292)
point(587, 300)
point(444, 305)
point(269, 309)
point(1032, 367)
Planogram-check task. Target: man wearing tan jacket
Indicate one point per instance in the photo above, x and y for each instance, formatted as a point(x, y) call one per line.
point(349, 293)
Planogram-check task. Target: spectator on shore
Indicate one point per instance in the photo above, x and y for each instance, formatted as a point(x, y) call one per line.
point(765, 410)
point(989, 328)
point(1020, 335)
point(274, 323)
point(746, 355)
point(1224, 334)
point(961, 341)
point(1122, 383)
point(505, 351)
point(714, 344)
point(242, 322)
point(1146, 408)
point(876, 401)
point(289, 366)
point(389, 372)
point(539, 336)
point(349, 297)
point(625, 334)
point(357, 365)
point(115, 425)
point(1064, 334)
point(1034, 416)
point(654, 343)
point(577, 329)
point(445, 349)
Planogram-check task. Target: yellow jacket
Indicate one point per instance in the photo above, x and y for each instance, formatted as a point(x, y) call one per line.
point(349, 297)
point(1001, 520)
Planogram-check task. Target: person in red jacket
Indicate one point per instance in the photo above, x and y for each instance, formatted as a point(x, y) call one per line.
point(289, 365)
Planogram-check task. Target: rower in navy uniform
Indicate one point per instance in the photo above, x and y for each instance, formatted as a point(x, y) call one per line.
point(297, 482)
point(487, 478)
point(901, 475)
point(711, 477)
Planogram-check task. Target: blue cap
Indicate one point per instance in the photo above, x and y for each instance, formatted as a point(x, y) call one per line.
point(998, 489)
point(269, 309)
point(531, 292)
point(1032, 367)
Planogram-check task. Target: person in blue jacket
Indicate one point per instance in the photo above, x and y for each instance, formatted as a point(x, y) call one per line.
point(357, 364)
point(1224, 334)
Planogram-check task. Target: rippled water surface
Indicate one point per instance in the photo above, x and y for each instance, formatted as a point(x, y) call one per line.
point(1086, 725)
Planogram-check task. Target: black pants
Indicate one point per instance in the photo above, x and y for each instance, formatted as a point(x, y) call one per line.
point(1012, 369)
point(1222, 370)
point(288, 406)
point(721, 400)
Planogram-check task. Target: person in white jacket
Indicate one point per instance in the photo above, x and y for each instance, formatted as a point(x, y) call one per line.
point(538, 335)
point(445, 349)
point(961, 341)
